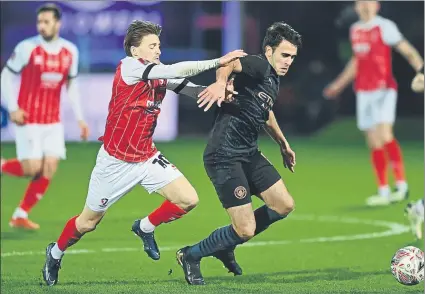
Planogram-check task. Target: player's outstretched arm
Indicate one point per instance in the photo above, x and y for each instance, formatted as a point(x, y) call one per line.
point(411, 54)
point(10, 97)
point(8, 92)
point(342, 81)
point(273, 129)
point(75, 101)
point(188, 69)
point(184, 86)
point(415, 60)
point(251, 65)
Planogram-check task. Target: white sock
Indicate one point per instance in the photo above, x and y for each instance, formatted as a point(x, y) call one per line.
point(384, 191)
point(419, 207)
point(56, 252)
point(146, 226)
point(19, 213)
point(402, 186)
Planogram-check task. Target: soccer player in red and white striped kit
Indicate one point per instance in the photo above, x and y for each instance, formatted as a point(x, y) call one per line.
point(46, 62)
point(372, 39)
point(128, 157)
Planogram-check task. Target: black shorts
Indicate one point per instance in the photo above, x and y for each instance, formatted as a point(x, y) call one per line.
point(236, 181)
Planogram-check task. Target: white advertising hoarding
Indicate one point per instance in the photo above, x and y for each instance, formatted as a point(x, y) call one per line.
point(96, 92)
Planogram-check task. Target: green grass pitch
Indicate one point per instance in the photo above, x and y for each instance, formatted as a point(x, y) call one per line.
point(331, 243)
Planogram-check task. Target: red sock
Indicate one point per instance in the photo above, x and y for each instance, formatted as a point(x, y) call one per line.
point(70, 235)
point(394, 153)
point(34, 193)
point(167, 212)
point(12, 167)
point(379, 162)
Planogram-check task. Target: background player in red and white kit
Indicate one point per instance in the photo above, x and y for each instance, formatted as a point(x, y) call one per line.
point(46, 62)
point(376, 89)
point(128, 156)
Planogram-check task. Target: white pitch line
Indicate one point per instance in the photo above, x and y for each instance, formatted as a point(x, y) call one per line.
point(392, 229)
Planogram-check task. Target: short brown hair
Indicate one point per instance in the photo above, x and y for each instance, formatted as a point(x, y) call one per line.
point(136, 31)
point(51, 7)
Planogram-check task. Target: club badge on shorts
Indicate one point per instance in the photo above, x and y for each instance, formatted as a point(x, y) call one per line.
point(240, 192)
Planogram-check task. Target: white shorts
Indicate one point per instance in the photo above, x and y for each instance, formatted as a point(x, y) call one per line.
point(375, 107)
point(112, 178)
point(35, 141)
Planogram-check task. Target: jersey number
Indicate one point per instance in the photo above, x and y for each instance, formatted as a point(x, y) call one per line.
point(161, 160)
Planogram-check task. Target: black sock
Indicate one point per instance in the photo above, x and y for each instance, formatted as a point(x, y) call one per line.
point(220, 239)
point(264, 217)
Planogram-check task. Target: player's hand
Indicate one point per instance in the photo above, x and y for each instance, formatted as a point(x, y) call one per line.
point(418, 83)
point(230, 91)
point(212, 93)
point(332, 91)
point(288, 156)
point(231, 56)
point(18, 117)
point(84, 130)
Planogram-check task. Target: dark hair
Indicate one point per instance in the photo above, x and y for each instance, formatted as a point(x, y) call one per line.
point(278, 32)
point(136, 31)
point(57, 12)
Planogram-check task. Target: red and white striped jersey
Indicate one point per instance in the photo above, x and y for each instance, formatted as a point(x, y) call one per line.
point(44, 67)
point(133, 111)
point(371, 44)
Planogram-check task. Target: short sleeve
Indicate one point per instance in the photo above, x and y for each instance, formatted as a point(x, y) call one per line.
point(73, 71)
point(134, 70)
point(20, 57)
point(390, 33)
point(254, 66)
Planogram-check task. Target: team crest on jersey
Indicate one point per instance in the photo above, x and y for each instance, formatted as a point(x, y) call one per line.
point(38, 59)
point(52, 63)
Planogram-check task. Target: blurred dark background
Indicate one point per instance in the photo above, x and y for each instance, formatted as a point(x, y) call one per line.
point(203, 30)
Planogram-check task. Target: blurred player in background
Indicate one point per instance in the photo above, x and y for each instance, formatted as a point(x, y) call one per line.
point(415, 214)
point(232, 159)
point(415, 210)
point(128, 156)
point(372, 38)
point(46, 62)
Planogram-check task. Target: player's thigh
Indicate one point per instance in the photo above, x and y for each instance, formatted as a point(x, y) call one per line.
point(160, 174)
point(111, 179)
point(261, 174)
point(53, 143)
point(364, 113)
point(385, 106)
point(180, 192)
point(29, 140)
point(230, 183)
point(243, 220)
point(278, 198)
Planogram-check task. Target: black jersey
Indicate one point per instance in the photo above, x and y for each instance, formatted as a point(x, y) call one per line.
point(237, 125)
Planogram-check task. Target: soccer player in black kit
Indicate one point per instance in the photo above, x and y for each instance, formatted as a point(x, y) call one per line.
point(232, 159)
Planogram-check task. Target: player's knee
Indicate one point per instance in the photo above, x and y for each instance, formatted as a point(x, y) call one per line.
point(86, 225)
point(288, 207)
point(386, 136)
point(285, 207)
point(245, 231)
point(32, 168)
point(49, 170)
point(189, 201)
point(374, 140)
